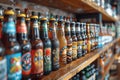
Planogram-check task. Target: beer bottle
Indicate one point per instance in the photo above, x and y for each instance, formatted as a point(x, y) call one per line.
point(84, 47)
point(85, 33)
point(79, 39)
point(69, 41)
point(39, 17)
point(88, 38)
point(3, 63)
point(74, 40)
point(93, 36)
point(25, 46)
point(47, 46)
point(12, 52)
point(27, 21)
point(37, 48)
point(62, 41)
point(55, 44)
point(97, 34)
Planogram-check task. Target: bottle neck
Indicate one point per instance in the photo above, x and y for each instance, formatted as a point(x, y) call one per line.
point(60, 29)
point(67, 29)
point(72, 26)
point(44, 29)
point(77, 29)
point(35, 29)
point(21, 29)
point(52, 29)
point(9, 30)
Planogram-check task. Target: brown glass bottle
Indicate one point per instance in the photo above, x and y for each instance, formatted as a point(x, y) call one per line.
point(55, 44)
point(88, 37)
point(74, 40)
point(22, 38)
point(62, 41)
point(12, 52)
point(47, 46)
point(37, 48)
point(92, 36)
point(69, 41)
point(79, 39)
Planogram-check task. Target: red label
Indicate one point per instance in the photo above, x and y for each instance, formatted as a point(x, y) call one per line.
point(37, 61)
point(22, 28)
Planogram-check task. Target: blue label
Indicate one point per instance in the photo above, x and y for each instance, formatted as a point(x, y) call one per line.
point(26, 62)
point(3, 69)
point(14, 69)
point(9, 27)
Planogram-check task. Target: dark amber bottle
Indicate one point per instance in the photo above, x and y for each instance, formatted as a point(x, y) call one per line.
point(55, 44)
point(22, 38)
point(37, 48)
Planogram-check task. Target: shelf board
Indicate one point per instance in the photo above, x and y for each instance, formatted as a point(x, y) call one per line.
point(107, 68)
point(69, 70)
point(77, 6)
point(96, 8)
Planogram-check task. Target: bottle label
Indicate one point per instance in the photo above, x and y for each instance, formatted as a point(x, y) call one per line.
point(74, 50)
point(89, 45)
point(37, 61)
point(47, 59)
point(22, 28)
point(3, 69)
point(77, 29)
point(9, 28)
point(14, 69)
point(69, 53)
point(44, 26)
point(79, 50)
point(63, 57)
point(55, 57)
point(26, 63)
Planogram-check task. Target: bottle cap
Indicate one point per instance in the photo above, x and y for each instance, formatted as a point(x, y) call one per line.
point(44, 18)
point(9, 11)
point(21, 15)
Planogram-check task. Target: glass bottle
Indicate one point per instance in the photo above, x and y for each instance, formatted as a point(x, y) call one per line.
point(12, 52)
point(22, 38)
point(3, 63)
point(47, 46)
point(62, 41)
point(69, 41)
point(79, 39)
point(88, 37)
point(74, 40)
point(55, 44)
point(27, 20)
point(37, 48)
point(84, 47)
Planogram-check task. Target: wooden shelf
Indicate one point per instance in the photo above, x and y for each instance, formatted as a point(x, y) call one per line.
point(77, 6)
point(107, 68)
point(96, 8)
point(69, 70)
